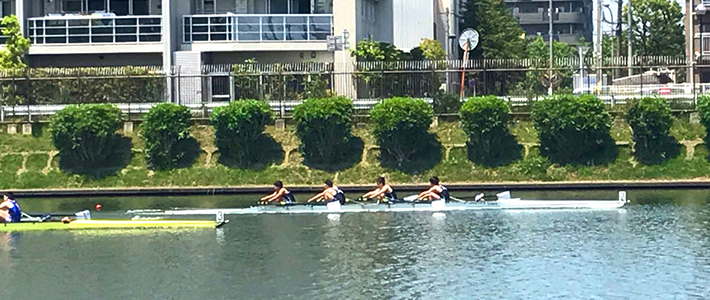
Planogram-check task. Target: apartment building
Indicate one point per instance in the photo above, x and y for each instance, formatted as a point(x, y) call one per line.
point(571, 19)
point(66, 33)
point(697, 39)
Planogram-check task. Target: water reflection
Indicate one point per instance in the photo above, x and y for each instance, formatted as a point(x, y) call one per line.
point(650, 250)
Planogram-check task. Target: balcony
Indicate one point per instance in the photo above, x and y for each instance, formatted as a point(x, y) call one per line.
point(230, 32)
point(95, 34)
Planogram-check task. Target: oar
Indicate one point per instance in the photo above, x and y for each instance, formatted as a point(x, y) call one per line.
point(411, 198)
point(457, 199)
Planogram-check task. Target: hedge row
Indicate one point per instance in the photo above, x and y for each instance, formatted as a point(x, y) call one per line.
point(572, 130)
point(82, 86)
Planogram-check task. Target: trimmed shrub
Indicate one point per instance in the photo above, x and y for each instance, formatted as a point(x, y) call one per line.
point(86, 138)
point(401, 129)
point(574, 130)
point(166, 133)
point(324, 126)
point(490, 143)
point(650, 119)
point(446, 102)
point(239, 132)
point(704, 114)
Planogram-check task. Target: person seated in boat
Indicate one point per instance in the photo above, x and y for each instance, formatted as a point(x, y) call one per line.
point(330, 193)
point(9, 209)
point(280, 195)
point(383, 192)
point(436, 191)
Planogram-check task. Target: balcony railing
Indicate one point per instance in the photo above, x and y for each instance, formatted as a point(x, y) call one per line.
point(255, 28)
point(94, 29)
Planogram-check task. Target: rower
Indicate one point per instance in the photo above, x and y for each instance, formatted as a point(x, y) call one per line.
point(330, 193)
point(436, 191)
point(280, 194)
point(383, 192)
point(9, 209)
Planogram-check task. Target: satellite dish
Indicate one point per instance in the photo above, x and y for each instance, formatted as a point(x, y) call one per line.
point(469, 37)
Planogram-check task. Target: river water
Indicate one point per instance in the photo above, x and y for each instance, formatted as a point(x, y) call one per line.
point(655, 248)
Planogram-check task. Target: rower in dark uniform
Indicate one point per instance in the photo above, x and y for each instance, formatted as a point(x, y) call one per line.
point(330, 193)
point(9, 209)
point(280, 195)
point(383, 192)
point(436, 191)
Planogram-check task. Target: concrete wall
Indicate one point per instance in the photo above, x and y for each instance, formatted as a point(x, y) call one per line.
point(96, 60)
point(267, 57)
point(413, 20)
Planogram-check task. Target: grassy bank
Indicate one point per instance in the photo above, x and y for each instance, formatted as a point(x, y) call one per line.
point(25, 163)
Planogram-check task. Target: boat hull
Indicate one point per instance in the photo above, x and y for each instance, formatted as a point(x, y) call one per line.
point(512, 204)
point(108, 224)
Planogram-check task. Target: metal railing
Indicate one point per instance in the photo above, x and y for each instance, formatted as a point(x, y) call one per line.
point(94, 29)
point(234, 28)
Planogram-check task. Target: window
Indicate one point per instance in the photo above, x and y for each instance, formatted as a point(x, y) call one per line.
point(97, 5)
point(71, 5)
point(6, 8)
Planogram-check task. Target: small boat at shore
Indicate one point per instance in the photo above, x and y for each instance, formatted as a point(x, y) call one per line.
point(503, 202)
point(83, 220)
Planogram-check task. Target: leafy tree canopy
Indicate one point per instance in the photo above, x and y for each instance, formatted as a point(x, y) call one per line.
point(501, 34)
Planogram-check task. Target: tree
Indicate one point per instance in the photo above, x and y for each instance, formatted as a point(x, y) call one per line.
point(657, 27)
point(16, 46)
point(539, 50)
point(371, 50)
point(500, 33)
point(428, 49)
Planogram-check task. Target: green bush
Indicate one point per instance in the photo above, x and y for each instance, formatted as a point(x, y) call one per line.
point(86, 138)
point(401, 129)
point(446, 102)
point(239, 132)
point(650, 119)
point(166, 133)
point(490, 143)
point(82, 85)
point(574, 130)
point(324, 126)
point(704, 113)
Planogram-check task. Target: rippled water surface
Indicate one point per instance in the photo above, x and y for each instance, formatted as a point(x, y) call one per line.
point(646, 251)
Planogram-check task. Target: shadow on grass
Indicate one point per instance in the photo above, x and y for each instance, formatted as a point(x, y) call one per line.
point(422, 154)
point(496, 153)
point(347, 157)
point(265, 151)
point(189, 150)
point(657, 151)
point(97, 158)
point(592, 151)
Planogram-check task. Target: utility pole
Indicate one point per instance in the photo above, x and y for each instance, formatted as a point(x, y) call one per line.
point(628, 37)
point(620, 6)
point(599, 43)
point(549, 78)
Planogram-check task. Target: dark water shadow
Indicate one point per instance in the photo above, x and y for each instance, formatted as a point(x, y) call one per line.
point(657, 151)
point(348, 156)
point(97, 157)
point(263, 152)
point(496, 153)
point(421, 154)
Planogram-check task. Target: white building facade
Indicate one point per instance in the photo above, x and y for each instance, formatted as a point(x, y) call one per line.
point(191, 33)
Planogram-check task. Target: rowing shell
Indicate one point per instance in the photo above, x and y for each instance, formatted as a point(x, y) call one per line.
point(504, 202)
point(109, 224)
point(84, 221)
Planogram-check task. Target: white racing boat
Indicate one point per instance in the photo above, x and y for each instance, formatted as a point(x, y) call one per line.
point(504, 201)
